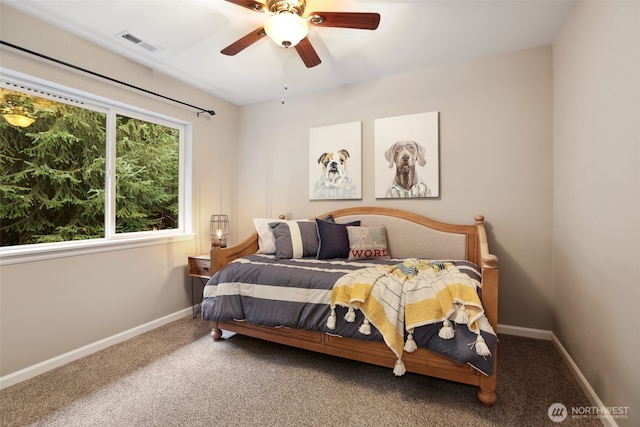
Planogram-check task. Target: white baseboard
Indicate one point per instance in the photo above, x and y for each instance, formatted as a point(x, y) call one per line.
point(540, 334)
point(47, 365)
point(575, 371)
point(582, 381)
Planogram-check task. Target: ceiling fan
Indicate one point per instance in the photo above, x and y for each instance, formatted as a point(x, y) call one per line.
point(288, 28)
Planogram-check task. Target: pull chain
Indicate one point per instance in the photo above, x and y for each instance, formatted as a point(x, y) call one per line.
point(285, 85)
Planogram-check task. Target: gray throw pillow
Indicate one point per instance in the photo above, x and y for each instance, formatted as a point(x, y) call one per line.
point(295, 239)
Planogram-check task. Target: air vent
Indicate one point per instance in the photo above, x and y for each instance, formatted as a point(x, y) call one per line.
point(147, 46)
point(137, 41)
point(131, 38)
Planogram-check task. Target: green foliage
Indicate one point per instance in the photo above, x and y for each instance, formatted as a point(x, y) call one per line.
point(147, 176)
point(53, 174)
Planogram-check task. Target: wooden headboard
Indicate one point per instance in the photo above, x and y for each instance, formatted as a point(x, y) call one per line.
point(412, 235)
point(408, 235)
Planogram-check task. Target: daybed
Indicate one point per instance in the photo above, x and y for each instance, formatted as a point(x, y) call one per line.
point(325, 310)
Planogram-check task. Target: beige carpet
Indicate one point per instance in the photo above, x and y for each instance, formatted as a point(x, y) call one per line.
point(177, 376)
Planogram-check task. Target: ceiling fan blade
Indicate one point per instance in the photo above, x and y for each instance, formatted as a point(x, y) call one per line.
point(250, 4)
point(357, 20)
point(244, 42)
point(307, 53)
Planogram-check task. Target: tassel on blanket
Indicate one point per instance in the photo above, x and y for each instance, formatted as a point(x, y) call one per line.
point(399, 369)
point(410, 345)
point(481, 347)
point(462, 315)
point(350, 316)
point(437, 265)
point(331, 321)
point(446, 332)
point(365, 328)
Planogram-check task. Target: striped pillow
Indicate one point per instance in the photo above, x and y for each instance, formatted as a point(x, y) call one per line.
point(295, 239)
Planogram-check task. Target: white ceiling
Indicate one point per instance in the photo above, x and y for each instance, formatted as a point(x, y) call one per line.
point(412, 34)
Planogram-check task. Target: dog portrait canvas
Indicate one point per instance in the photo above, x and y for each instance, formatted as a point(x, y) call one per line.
point(407, 156)
point(335, 162)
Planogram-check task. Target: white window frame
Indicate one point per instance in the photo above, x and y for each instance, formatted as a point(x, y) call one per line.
point(112, 240)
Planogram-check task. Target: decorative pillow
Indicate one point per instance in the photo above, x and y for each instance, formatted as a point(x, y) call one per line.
point(295, 239)
point(266, 241)
point(334, 242)
point(367, 242)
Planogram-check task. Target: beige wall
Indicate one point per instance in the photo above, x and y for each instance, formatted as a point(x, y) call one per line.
point(495, 160)
point(596, 272)
point(48, 308)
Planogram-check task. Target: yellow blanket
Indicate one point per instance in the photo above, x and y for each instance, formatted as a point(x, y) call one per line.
point(407, 295)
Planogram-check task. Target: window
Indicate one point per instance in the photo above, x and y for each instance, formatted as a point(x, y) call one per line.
point(86, 169)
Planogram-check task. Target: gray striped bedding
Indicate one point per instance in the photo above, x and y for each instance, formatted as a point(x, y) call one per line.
point(296, 293)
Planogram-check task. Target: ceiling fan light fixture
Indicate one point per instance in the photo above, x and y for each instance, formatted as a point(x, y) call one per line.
point(286, 28)
point(17, 110)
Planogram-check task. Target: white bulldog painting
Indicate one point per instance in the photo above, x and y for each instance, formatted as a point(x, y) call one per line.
point(335, 163)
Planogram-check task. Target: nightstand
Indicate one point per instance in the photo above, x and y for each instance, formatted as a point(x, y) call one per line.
point(198, 268)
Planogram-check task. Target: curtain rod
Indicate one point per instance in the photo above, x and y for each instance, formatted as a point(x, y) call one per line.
point(39, 55)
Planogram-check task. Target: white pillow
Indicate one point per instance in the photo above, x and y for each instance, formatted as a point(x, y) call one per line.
point(266, 239)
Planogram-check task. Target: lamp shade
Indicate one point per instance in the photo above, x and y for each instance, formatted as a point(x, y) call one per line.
point(286, 28)
point(219, 230)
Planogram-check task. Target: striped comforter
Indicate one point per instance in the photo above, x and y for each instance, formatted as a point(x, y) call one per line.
point(297, 293)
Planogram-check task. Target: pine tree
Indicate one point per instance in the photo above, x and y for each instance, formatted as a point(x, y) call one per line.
point(147, 168)
point(52, 176)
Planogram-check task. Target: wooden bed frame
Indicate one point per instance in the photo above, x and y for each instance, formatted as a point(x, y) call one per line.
point(421, 361)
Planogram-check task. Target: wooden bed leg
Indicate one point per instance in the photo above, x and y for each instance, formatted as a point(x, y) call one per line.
point(487, 393)
point(216, 333)
point(487, 398)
